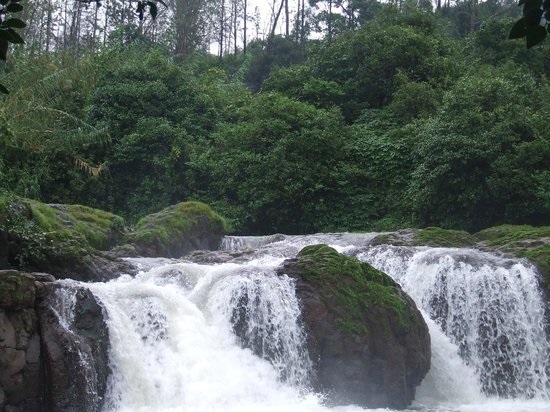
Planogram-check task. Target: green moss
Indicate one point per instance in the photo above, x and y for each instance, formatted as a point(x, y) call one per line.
point(435, 236)
point(16, 290)
point(159, 229)
point(524, 241)
point(353, 287)
point(506, 234)
point(88, 226)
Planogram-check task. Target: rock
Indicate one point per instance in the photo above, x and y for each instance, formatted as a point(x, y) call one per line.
point(16, 290)
point(214, 256)
point(90, 266)
point(369, 343)
point(177, 230)
point(74, 351)
point(20, 369)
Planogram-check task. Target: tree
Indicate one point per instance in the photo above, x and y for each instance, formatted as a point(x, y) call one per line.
point(274, 166)
point(477, 166)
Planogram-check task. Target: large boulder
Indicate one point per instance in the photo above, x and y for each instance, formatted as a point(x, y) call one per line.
point(368, 342)
point(177, 230)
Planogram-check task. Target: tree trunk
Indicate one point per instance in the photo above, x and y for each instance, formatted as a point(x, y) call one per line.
point(277, 19)
point(222, 23)
point(245, 18)
point(287, 20)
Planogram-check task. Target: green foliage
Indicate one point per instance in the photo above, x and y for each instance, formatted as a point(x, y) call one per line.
point(44, 132)
point(274, 165)
point(300, 83)
point(28, 242)
point(490, 44)
point(475, 164)
point(156, 113)
point(277, 51)
point(365, 62)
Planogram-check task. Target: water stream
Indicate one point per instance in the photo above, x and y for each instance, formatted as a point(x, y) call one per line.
point(182, 332)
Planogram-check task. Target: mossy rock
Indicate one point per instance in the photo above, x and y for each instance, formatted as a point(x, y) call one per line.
point(430, 236)
point(351, 286)
point(177, 230)
point(16, 290)
point(530, 242)
point(98, 228)
point(65, 240)
point(437, 237)
point(368, 341)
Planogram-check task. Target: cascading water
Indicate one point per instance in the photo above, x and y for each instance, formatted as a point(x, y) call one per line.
point(227, 337)
point(489, 307)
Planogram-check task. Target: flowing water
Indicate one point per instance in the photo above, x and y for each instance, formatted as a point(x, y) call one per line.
point(182, 333)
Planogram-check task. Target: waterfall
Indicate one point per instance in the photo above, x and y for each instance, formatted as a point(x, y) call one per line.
point(227, 337)
point(185, 337)
point(490, 307)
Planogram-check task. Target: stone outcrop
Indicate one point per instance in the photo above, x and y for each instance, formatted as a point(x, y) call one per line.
point(369, 343)
point(50, 360)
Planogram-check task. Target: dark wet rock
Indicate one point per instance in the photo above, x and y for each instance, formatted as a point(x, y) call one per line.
point(20, 368)
point(216, 256)
point(74, 350)
point(369, 343)
point(91, 266)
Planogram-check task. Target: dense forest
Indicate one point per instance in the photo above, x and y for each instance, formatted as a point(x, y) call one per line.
point(341, 116)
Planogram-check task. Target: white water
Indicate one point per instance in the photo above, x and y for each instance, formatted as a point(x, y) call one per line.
point(174, 346)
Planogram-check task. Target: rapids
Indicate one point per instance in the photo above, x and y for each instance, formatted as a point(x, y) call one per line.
point(178, 342)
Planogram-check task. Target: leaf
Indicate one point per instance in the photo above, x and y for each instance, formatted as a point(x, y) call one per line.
point(153, 9)
point(531, 5)
point(3, 89)
point(14, 37)
point(532, 17)
point(15, 23)
point(14, 8)
point(3, 48)
point(519, 29)
point(535, 35)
